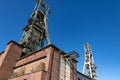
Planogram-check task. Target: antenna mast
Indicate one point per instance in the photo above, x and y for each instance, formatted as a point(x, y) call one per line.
point(36, 32)
point(89, 68)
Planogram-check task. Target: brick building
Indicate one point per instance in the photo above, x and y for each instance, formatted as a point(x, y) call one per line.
point(23, 60)
point(47, 63)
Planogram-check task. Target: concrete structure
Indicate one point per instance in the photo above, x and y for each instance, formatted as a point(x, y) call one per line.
point(48, 63)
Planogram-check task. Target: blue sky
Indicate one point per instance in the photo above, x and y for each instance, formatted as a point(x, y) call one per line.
point(71, 23)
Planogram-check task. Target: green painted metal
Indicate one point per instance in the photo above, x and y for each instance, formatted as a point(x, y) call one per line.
point(36, 31)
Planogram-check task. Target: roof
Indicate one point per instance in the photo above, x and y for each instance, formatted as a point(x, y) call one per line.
point(51, 45)
point(83, 75)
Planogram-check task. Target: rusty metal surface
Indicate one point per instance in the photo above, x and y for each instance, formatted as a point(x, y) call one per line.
point(36, 31)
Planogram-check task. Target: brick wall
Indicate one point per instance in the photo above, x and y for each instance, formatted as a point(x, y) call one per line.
point(32, 61)
point(8, 59)
point(50, 56)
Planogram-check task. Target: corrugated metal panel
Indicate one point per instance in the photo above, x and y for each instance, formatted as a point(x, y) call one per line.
point(64, 69)
point(67, 71)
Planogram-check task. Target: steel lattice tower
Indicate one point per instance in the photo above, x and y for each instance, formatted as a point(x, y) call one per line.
point(36, 31)
point(89, 68)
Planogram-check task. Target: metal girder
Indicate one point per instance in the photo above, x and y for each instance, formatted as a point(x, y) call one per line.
point(36, 31)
